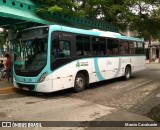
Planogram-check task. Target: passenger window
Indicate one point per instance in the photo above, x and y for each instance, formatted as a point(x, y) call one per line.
point(98, 46)
point(87, 48)
point(79, 45)
point(132, 47)
point(124, 47)
point(103, 49)
point(112, 47)
point(83, 45)
point(95, 46)
point(140, 48)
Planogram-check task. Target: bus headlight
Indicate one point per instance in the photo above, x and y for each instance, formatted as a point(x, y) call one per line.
point(42, 78)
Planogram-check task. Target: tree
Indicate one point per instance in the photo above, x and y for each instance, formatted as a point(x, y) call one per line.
point(3, 38)
point(144, 17)
point(141, 15)
point(63, 6)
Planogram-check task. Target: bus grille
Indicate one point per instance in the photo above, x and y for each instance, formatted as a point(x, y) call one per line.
point(29, 86)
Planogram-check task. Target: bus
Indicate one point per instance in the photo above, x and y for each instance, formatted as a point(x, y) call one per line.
point(52, 58)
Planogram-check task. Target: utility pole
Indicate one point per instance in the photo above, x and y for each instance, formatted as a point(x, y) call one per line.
point(150, 49)
point(159, 52)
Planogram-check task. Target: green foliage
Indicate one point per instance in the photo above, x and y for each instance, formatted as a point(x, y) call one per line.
point(3, 38)
point(141, 15)
point(61, 6)
point(146, 18)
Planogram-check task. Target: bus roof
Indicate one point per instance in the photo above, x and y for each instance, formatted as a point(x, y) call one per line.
point(95, 32)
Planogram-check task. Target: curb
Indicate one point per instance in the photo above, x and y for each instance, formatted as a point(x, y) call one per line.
point(152, 63)
point(8, 90)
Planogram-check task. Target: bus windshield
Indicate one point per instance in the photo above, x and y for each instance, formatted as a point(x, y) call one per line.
point(31, 54)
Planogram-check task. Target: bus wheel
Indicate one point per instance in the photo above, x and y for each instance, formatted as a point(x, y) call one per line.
point(80, 83)
point(127, 75)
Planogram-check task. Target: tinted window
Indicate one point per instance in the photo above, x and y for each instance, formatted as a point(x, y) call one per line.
point(103, 49)
point(132, 47)
point(60, 49)
point(95, 46)
point(140, 48)
point(83, 45)
point(124, 47)
point(98, 46)
point(112, 47)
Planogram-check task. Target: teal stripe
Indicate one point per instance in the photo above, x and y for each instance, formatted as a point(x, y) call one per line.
point(119, 68)
point(19, 62)
point(98, 73)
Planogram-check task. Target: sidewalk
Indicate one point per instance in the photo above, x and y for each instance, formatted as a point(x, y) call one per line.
point(6, 87)
point(155, 62)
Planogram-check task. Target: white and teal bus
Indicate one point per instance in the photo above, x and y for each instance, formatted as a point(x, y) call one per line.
point(53, 58)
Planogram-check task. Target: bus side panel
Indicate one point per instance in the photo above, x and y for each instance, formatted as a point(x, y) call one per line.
point(125, 60)
point(113, 67)
point(98, 69)
point(104, 68)
point(141, 63)
point(138, 63)
point(133, 63)
point(84, 65)
point(63, 77)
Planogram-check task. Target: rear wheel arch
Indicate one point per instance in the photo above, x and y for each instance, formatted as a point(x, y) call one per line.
point(128, 72)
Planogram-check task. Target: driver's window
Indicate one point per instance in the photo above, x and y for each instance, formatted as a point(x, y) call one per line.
point(60, 49)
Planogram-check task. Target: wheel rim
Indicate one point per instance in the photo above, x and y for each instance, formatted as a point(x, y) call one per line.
point(79, 82)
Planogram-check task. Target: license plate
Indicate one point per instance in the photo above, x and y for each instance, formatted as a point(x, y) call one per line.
point(25, 88)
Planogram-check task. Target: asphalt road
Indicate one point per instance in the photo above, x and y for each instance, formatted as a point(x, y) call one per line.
point(139, 95)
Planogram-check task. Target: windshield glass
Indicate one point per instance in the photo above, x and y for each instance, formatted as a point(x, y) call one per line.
point(31, 54)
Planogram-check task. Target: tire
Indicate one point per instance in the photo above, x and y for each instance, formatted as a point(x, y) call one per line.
point(127, 74)
point(79, 83)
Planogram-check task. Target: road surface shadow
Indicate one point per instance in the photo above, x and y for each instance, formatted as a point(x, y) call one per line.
point(154, 113)
point(70, 91)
